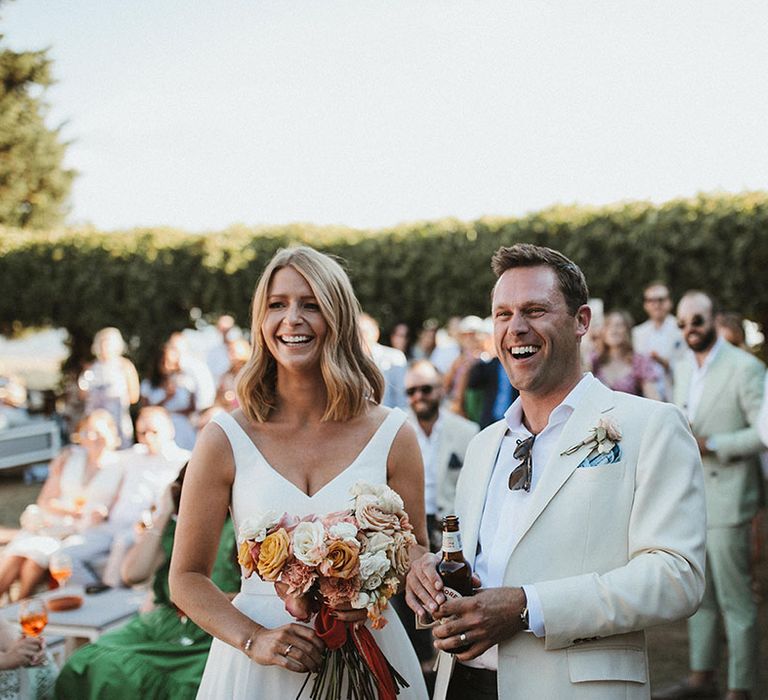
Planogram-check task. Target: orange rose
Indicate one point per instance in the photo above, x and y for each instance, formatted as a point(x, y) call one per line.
point(275, 549)
point(245, 559)
point(342, 560)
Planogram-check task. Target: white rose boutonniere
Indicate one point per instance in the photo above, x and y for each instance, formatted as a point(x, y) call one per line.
point(601, 438)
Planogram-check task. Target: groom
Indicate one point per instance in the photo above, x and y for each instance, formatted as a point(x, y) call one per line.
point(582, 513)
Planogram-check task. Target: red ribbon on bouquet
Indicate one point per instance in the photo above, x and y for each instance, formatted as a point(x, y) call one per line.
point(335, 633)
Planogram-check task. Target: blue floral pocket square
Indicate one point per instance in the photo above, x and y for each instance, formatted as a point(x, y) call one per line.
point(597, 459)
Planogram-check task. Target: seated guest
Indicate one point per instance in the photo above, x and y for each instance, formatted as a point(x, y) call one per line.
point(618, 366)
point(13, 400)
point(148, 467)
point(27, 671)
point(82, 485)
point(160, 653)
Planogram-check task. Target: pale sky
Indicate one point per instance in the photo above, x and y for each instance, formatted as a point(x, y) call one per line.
point(370, 113)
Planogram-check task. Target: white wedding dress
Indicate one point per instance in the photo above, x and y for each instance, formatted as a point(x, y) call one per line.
point(229, 673)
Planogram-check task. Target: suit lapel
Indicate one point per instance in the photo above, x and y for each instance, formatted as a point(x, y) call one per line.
point(474, 504)
point(597, 401)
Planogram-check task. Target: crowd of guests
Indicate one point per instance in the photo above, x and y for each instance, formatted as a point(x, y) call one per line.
point(111, 496)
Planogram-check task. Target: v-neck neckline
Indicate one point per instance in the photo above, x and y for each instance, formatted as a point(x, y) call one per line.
point(284, 478)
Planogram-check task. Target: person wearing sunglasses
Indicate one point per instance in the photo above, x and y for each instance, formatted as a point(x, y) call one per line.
point(720, 388)
point(582, 513)
point(659, 337)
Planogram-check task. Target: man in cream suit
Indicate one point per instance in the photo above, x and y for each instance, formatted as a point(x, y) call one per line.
point(582, 513)
point(443, 440)
point(720, 388)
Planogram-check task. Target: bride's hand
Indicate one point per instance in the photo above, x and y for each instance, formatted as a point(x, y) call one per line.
point(294, 647)
point(346, 613)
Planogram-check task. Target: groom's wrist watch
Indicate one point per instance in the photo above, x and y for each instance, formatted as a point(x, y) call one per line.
point(524, 618)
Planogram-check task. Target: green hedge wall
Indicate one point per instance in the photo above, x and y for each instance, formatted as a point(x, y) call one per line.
point(146, 281)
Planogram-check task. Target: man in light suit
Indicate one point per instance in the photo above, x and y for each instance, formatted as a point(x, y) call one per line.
point(443, 440)
point(582, 513)
point(720, 387)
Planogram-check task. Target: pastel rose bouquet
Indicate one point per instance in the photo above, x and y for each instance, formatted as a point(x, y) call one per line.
point(354, 557)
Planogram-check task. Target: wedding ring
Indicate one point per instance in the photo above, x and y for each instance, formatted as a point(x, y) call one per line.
point(287, 649)
point(463, 637)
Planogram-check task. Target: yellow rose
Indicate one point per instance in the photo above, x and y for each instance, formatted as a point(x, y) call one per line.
point(274, 551)
point(342, 560)
point(245, 559)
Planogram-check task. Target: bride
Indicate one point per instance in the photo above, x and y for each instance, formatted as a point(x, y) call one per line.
point(310, 425)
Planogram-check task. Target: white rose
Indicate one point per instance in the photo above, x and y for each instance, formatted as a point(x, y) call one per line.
point(377, 542)
point(343, 531)
point(371, 564)
point(363, 488)
point(373, 582)
point(255, 528)
point(390, 501)
point(361, 600)
point(309, 543)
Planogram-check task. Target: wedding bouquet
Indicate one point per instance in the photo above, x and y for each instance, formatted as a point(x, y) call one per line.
point(356, 557)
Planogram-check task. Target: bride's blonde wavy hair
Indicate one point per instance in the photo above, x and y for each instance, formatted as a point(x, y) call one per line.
point(350, 375)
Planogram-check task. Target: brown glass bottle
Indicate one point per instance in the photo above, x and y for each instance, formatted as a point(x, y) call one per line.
point(453, 568)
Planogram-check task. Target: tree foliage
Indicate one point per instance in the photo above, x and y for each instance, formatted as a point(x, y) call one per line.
point(146, 282)
point(34, 185)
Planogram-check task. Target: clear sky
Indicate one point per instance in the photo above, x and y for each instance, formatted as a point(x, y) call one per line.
point(369, 113)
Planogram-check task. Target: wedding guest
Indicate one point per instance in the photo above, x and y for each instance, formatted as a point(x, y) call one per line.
point(80, 490)
point(309, 426)
point(400, 338)
point(730, 327)
point(204, 385)
point(27, 671)
point(159, 654)
point(578, 530)
point(111, 382)
point(391, 363)
point(217, 358)
point(147, 468)
point(170, 387)
point(238, 352)
point(659, 337)
point(720, 387)
point(618, 366)
point(455, 380)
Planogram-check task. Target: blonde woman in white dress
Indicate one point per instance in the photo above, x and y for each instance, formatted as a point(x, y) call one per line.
point(309, 426)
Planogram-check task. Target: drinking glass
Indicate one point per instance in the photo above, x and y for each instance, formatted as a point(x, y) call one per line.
point(33, 616)
point(60, 566)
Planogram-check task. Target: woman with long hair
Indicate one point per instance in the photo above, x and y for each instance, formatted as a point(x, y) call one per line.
point(618, 366)
point(309, 426)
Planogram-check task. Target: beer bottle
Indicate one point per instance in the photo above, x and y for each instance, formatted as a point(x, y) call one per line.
point(453, 568)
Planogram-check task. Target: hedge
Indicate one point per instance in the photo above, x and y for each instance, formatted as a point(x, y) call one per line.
point(147, 281)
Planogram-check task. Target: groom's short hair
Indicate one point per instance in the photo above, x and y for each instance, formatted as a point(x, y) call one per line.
point(570, 278)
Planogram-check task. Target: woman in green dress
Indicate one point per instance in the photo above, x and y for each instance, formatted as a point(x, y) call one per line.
point(158, 654)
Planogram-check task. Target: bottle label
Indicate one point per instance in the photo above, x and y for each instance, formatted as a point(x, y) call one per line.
point(451, 541)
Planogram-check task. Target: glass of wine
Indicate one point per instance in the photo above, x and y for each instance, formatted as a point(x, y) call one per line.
point(60, 566)
point(33, 616)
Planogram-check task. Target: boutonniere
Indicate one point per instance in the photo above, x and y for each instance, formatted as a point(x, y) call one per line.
point(602, 438)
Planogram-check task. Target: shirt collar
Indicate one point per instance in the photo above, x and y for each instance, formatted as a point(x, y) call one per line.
point(514, 414)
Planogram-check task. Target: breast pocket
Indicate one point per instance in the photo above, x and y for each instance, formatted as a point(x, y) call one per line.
point(603, 472)
point(607, 664)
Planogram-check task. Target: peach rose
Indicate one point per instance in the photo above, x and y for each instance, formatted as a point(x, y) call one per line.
point(398, 555)
point(342, 560)
point(245, 559)
point(275, 550)
point(370, 516)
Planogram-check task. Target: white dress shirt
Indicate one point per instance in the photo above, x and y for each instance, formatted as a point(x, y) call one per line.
point(428, 446)
point(505, 511)
point(696, 388)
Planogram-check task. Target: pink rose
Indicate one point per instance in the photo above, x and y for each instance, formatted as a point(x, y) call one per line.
point(339, 591)
point(370, 516)
point(298, 577)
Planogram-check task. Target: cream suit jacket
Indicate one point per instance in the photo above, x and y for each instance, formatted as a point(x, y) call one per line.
point(728, 413)
point(611, 549)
